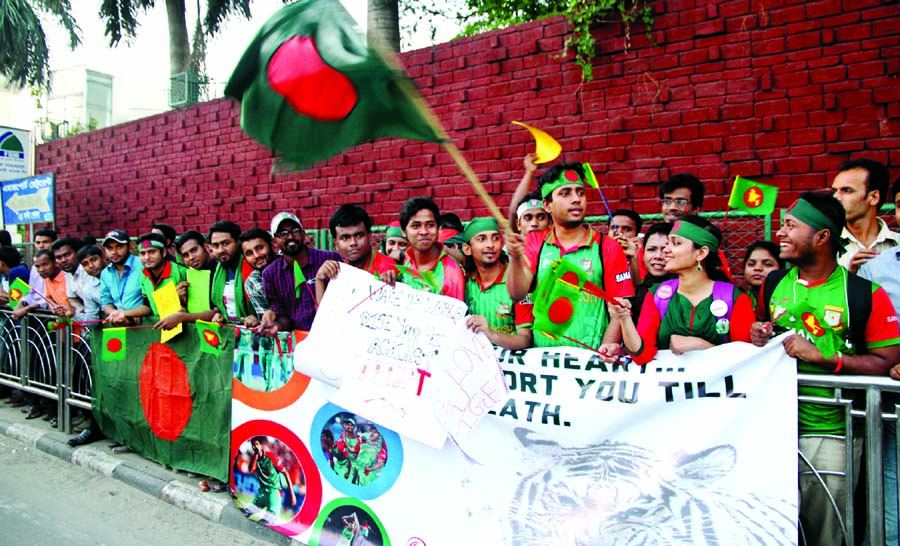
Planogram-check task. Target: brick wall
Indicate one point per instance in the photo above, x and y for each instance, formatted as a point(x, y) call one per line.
point(777, 90)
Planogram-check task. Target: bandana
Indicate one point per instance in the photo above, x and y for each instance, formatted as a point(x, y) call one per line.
point(479, 225)
point(394, 231)
point(696, 234)
point(150, 243)
point(566, 178)
point(528, 205)
point(804, 211)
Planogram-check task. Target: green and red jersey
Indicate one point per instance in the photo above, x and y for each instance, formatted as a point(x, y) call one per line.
point(171, 273)
point(444, 273)
point(379, 264)
point(494, 304)
point(806, 309)
point(685, 319)
point(605, 265)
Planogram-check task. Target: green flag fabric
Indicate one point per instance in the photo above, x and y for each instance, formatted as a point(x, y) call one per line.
point(113, 344)
point(169, 402)
point(299, 278)
point(210, 342)
point(753, 197)
point(18, 290)
point(310, 87)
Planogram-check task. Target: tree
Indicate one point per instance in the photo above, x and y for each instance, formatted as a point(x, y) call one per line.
point(121, 21)
point(384, 17)
point(24, 57)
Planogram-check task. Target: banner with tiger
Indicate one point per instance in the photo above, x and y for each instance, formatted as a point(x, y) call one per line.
point(692, 449)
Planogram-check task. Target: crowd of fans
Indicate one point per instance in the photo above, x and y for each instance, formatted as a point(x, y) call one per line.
point(552, 280)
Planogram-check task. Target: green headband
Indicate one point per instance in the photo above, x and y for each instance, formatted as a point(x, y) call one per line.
point(394, 231)
point(150, 243)
point(478, 225)
point(566, 178)
point(807, 213)
point(696, 234)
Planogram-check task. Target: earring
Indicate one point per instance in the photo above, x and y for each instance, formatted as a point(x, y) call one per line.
point(699, 267)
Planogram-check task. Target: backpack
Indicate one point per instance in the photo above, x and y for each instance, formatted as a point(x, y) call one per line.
point(859, 303)
point(722, 291)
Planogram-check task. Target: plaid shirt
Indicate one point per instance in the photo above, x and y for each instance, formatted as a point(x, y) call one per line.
point(253, 286)
point(278, 281)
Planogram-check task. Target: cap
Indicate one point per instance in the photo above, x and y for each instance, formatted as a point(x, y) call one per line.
point(118, 236)
point(281, 217)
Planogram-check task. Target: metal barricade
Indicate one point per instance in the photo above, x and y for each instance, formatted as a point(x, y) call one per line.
point(31, 357)
point(870, 406)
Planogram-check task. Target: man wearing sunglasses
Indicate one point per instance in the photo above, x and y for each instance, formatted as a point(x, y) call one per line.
point(287, 280)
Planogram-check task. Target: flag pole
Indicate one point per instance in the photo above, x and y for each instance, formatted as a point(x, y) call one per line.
point(428, 114)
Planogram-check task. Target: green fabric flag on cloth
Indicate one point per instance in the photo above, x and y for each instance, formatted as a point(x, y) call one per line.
point(310, 87)
point(753, 197)
point(113, 344)
point(210, 342)
point(169, 402)
point(18, 290)
point(299, 278)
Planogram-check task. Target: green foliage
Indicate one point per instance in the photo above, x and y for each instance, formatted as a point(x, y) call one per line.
point(584, 14)
point(477, 16)
point(24, 57)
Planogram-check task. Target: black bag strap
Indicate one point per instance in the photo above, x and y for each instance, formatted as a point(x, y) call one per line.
point(772, 280)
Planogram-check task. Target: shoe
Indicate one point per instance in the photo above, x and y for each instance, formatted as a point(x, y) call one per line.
point(35, 413)
point(122, 449)
point(47, 417)
point(27, 408)
point(217, 486)
point(86, 437)
point(54, 422)
point(80, 422)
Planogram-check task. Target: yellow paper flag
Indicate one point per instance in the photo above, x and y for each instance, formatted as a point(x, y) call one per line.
point(167, 302)
point(547, 148)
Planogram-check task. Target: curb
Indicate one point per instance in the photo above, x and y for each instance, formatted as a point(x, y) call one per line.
point(154, 481)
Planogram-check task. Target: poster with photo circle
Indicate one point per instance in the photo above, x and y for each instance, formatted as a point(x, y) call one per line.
point(273, 478)
point(358, 457)
point(264, 375)
point(344, 522)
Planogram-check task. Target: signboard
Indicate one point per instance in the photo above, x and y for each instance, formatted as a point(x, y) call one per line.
point(28, 200)
point(15, 148)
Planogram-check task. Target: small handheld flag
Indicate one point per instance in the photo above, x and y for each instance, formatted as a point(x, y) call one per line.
point(114, 344)
point(752, 197)
point(18, 290)
point(299, 278)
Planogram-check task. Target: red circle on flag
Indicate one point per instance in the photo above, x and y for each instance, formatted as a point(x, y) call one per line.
point(571, 176)
point(114, 345)
point(299, 74)
point(560, 311)
point(211, 337)
point(753, 197)
point(165, 392)
point(571, 277)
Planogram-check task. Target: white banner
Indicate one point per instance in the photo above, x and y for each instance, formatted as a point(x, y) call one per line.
point(697, 449)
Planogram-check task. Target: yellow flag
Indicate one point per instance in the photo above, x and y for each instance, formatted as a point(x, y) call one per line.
point(547, 148)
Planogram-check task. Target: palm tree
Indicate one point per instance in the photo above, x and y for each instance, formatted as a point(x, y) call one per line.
point(24, 58)
point(121, 21)
point(384, 16)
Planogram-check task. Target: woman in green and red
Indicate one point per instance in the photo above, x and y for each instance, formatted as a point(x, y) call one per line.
point(697, 310)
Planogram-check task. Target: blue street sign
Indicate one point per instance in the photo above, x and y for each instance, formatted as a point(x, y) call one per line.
point(28, 200)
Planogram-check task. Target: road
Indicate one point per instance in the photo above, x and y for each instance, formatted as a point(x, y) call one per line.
point(48, 501)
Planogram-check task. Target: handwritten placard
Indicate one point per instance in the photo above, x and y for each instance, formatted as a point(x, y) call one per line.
point(402, 358)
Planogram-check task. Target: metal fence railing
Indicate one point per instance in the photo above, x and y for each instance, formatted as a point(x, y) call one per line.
point(56, 365)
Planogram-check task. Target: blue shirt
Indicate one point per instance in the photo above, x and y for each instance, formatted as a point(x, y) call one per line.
point(124, 293)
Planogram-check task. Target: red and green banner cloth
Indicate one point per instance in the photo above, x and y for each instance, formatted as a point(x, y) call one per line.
point(753, 197)
point(310, 87)
point(169, 402)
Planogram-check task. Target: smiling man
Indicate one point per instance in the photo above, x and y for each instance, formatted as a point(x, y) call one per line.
point(120, 281)
point(570, 240)
point(191, 246)
point(840, 323)
point(286, 280)
point(351, 229)
point(430, 267)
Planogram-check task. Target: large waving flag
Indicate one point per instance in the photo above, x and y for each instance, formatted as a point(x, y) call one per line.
point(310, 87)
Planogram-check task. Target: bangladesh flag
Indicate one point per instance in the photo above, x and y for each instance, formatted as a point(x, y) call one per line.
point(299, 278)
point(310, 87)
point(210, 342)
point(113, 344)
point(18, 290)
point(169, 402)
point(753, 197)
